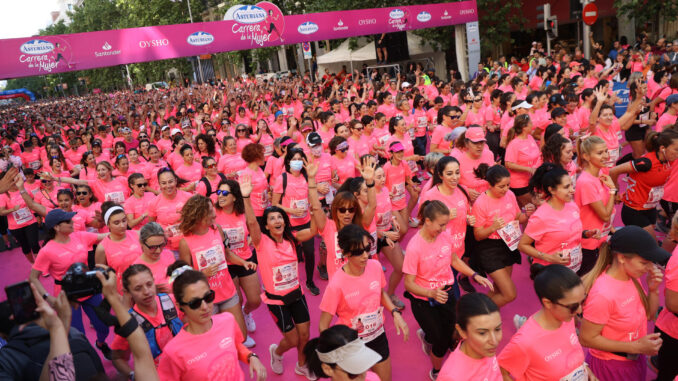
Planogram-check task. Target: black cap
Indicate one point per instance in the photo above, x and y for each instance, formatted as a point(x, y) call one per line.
point(557, 99)
point(635, 240)
point(313, 139)
point(558, 111)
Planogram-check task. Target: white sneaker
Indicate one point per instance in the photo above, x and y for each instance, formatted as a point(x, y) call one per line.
point(414, 222)
point(425, 346)
point(304, 371)
point(519, 320)
point(249, 342)
point(249, 322)
point(433, 375)
point(276, 361)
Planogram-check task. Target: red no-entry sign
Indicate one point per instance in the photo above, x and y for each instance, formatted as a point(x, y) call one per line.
point(590, 13)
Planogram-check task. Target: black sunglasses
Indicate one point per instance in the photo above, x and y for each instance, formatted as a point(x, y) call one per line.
point(574, 306)
point(222, 192)
point(82, 193)
point(195, 303)
point(156, 247)
point(240, 130)
point(358, 252)
point(345, 210)
point(142, 185)
point(453, 116)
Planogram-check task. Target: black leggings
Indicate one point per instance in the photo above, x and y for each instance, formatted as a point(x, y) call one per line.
point(437, 322)
point(307, 249)
point(666, 359)
point(3, 225)
point(28, 238)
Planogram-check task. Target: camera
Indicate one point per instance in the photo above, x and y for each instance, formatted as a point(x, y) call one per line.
point(80, 282)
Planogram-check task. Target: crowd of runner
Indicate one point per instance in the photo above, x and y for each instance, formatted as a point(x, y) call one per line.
point(207, 200)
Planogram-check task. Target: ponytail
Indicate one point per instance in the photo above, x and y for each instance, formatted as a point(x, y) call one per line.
point(656, 140)
point(519, 123)
point(586, 146)
point(431, 209)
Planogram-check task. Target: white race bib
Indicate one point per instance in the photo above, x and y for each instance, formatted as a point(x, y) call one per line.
point(398, 191)
point(268, 150)
point(22, 215)
point(653, 197)
point(173, 230)
point(369, 325)
point(212, 256)
point(384, 221)
point(579, 374)
point(413, 166)
point(285, 277)
point(299, 204)
point(34, 164)
point(614, 156)
point(236, 238)
point(511, 234)
point(118, 197)
point(373, 246)
point(575, 257)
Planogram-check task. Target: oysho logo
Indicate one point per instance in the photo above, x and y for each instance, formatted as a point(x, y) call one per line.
point(424, 17)
point(467, 11)
point(197, 358)
point(153, 43)
point(340, 26)
point(308, 28)
point(367, 21)
point(396, 14)
point(36, 47)
point(249, 14)
point(107, 51)
point(200, 38)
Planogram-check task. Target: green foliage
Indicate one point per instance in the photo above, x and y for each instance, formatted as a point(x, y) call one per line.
point(645, 11)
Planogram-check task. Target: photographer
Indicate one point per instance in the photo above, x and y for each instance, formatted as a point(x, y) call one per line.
point(62, 248)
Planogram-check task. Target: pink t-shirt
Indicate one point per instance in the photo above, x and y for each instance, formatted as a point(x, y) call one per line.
point(296, 196)
point(344, 168)
point(460, 367)
point(163, 334)
point(55, 258)
point(523, 152)
point(388, 110)
point(537, 354)
point(259, 196)
point(168, 214)
point(438, 137)
point(159, 267)
point(275, 166)
point(230, 165)
point(86, 214)
point(611, 135)
point(21, 217)
point(335, 257)
point(396, 177)
point(664, 121)
point(138, 206)
point(456, 227)
point(235, 230)
point(487, 207)
point(207, 250)
point(211, 356)
point(615, 305)
point(278, 268)
point(201, 188)
point(557, 230)
point(384, 210)
point(589, 190)
point(671, 186)
point(668, 321)
point(430, 262)
point(475, 118)
point(121, 254)
point(467, 165)
point(189, 173)
point(356, 301)
point(115, 190)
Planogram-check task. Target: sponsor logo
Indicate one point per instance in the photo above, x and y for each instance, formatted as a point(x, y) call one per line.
point(197, 358)
point(200, 39)
point(340, 26)
point(249, 14)
point(445, 16)
point(36, 47)
point(396, 14)
point(467, 11)
point(308, 28)
point(574, 339)
point(367, 21)
point(374, 285)
point(107, 51)
point(424, 17)
point(225, 342)
point(153, 43)
point(553, 355)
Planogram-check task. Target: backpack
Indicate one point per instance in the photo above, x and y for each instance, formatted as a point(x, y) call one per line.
point(169, 312)
point(208, 186)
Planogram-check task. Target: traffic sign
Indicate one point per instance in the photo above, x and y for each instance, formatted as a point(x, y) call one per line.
point(590, 13)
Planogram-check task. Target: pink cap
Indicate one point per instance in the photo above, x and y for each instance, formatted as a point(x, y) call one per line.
point(475, 134)
point(397, 147)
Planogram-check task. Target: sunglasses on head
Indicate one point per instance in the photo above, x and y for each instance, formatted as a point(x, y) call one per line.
point(156, 247)
point(195, 303)
point(223, 192)
point(45, 181)
point(574, 306)
point(346, 210)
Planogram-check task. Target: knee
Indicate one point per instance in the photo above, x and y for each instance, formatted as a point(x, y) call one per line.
point(293, 339)
point(303, 336)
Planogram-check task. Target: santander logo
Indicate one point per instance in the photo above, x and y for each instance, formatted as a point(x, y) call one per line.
point(396, 14)
point(106, 46)
point(249, 14)
point(36, 47)
point(340, 26)
point(424, 17)
point(308, 27)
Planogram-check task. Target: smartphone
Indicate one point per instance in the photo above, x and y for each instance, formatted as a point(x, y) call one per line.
point(22, 302)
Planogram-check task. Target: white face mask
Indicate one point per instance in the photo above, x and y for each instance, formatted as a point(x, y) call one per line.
point(296, 165)
point(317, 150)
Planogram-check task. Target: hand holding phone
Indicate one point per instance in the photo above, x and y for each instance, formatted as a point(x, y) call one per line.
point(22, 302)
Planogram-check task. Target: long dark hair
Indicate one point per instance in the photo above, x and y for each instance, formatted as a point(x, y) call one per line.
point(440, 168)
point(238, 202)
point(287, 231)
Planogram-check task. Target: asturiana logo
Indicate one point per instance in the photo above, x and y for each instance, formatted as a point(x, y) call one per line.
point(200, 38)
point(308, 27)
point(424, 17)
point(249, 14)
point(37, 47)
point(396, 14)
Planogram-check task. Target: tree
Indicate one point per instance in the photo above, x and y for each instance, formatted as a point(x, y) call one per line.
point(648, 11)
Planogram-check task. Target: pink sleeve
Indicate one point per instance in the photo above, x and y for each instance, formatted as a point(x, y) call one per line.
point(511, 153)
point(437, 136)
point(597, 308)
point(513, 359)
point(410, 264)
point(330, 299)
point(278, 186)
point(589, 193)
point(168, 370)
point(479, 213)
point(671, 275)
point(151, 208)
point(535, 228)
point(89, 238)
point(42, 261)
point(200, 188)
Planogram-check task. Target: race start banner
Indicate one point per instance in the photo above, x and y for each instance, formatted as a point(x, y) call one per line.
point(244, 27)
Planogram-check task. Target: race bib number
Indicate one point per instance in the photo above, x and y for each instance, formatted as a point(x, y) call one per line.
point(268, 150)
point(575, 257)
point(299, 204)
point(34, 164)
point(383, 139)
point(173, 230)
point(511, 234)
point(22, 216)
point(413, 166)
point(411, 132)
point(398, 192)
point(212, 256)
point(285, 277)
point(236, 238)
point(369, 325)
point(579, 374)
point(607, 226)
point(614, 156)
point(264, 199)
point(118, 197)
point(338, 254)
point(373, 245)
point(384, 221)
point(653, 197)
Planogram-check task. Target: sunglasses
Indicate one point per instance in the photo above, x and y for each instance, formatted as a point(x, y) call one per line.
point(574, 306)
point(45, 181)
point(156, 247)
point(223, 192)
point(359, 252)
point(82, 193)
point(453, 116)
point(478, 100)
point(346, 210)
point(343, 149)
point(358, 128)
point(239, 130)
point(211, 166)
point(194, 304)
point(141, 185)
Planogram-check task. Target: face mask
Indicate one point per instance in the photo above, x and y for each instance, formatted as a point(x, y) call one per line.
point(317, 150)
point(296, 165)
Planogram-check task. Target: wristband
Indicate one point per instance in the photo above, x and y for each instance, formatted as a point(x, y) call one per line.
point(249, 356)
point(613, 191)
point(370, 185)
point(393, 311)
point(474, 275)
point(126, 329)
point(45, 295)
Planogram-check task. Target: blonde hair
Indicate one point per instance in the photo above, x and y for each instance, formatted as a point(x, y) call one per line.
point(586, 146)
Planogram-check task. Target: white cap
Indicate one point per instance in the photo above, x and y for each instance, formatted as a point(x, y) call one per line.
point(353, 357)
point(175, 131)
point(164, 128)
point(522, 104)
point(405, 84)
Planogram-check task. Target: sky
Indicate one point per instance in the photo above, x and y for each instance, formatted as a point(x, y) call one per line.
point(23, 18)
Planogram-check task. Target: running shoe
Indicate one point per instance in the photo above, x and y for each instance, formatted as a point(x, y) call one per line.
point(397, 302)
point(249, 321)
point(313, 288)
point(276, 361)
point(304, 371)
point(433, 374)
point(414, 222)
point(519, 320)
point(322, 272)
point(249, 342)
point(425, 346)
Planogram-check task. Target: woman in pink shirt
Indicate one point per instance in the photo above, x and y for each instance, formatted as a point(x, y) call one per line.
point(253, 154)
point(497, 231)
point(89, 208)
point(473, 153)
point(479, 325)
point(340, 354)
point(154, 255)
point(202, 246)
point(121, 247)
point(277, 258)
point(189, 169)
point(399, 182)
point(667, 321)
point(351, 295)
point(20, 219)
point(429, 260)
point(230, 162)
point(209, 346)
point(559, 150)
point(522, 157)
point(555, 228)
point(595, 197)
point(137, 204)
point(205, 147)
point(207, 185)
point(343, 164)
point(105, 186)
point(386, 105)
point(546, 347)
point(121, 167)
point(618, 308)
point(165, 208)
